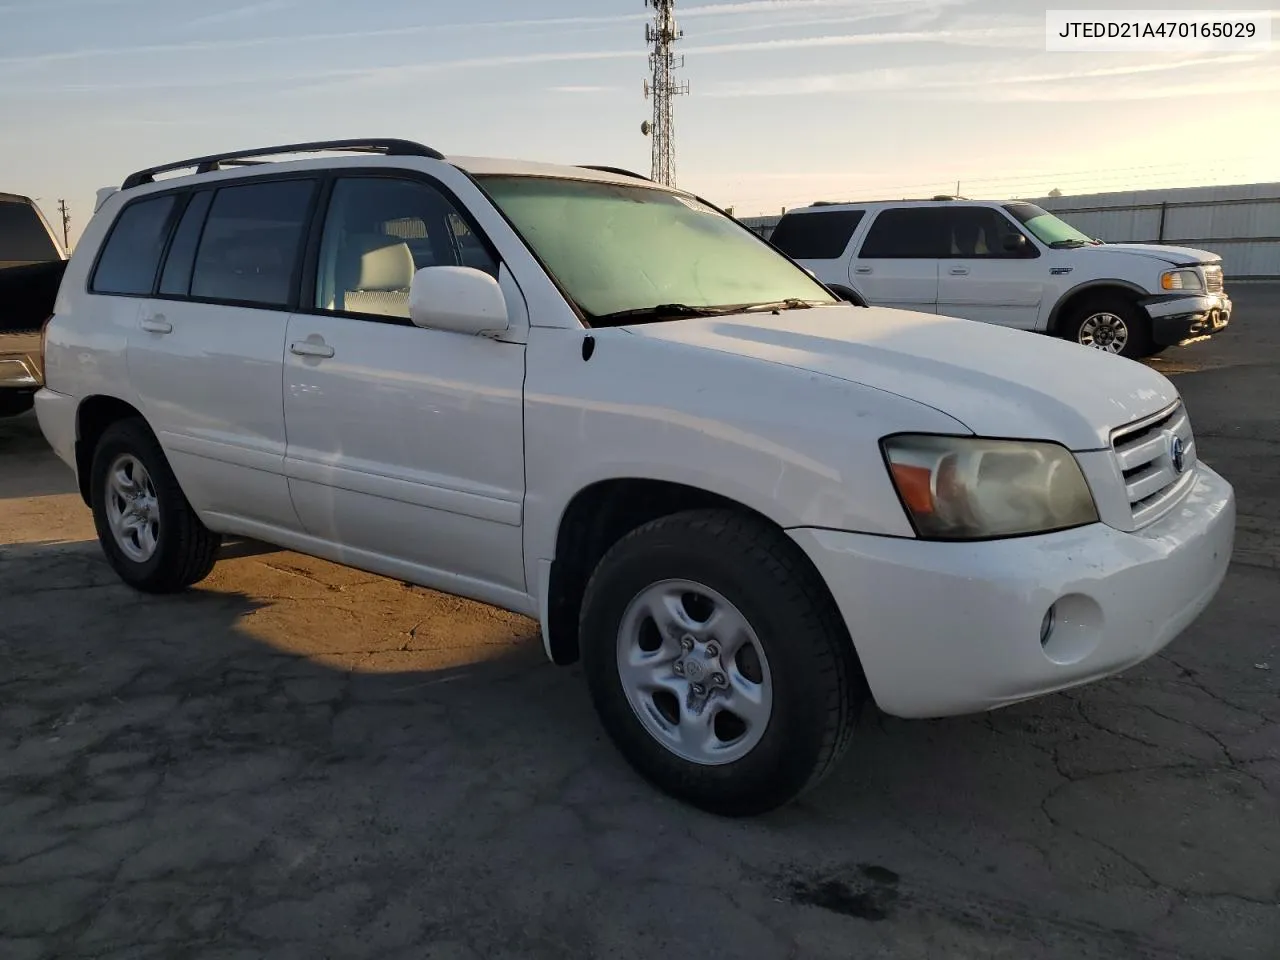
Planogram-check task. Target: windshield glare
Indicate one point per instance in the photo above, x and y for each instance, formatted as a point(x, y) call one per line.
point(1047, 228)
point(615, 248)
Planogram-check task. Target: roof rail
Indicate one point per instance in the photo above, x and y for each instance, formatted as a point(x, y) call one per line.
point(618, 170)
point(387, 147)
point(846, 203)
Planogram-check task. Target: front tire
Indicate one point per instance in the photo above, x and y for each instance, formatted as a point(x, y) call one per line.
point(151, 536)
point(1111, 325)
point(718, 663)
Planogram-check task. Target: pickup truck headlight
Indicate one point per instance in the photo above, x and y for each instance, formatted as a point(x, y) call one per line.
point(1181, 280)
point(962, 488)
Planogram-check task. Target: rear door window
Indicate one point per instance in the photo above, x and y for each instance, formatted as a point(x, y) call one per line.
point(252, 243)
point(816, 235)
point(131, 256)
point(23, 237)
point(176, 279)
point(908, 233)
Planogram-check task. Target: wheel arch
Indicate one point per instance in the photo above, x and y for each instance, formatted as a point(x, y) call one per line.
point(848, 293)
point(1088, 291)
point(601, 514)
point(93, 416)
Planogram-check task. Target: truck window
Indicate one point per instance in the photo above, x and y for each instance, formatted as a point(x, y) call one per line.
point(816, 236)
point(23, 236)
point(908, 233)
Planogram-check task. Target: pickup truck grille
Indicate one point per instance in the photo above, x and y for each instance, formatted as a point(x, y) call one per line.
point(1156, 456)
point(1213, 279)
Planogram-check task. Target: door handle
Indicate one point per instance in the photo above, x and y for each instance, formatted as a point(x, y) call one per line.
point(311, 348)
point(959, 271)
point(156, 324)
point(861, 269)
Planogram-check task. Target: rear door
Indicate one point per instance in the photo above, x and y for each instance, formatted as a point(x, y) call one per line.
point(897, 265)
point(207, 355)
point(990, 272)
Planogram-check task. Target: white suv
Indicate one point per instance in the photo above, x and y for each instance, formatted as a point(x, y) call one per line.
point(1011, 264)
point(581, 396)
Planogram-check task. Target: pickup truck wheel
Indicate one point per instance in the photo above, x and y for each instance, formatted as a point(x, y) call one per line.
point(151, 536)
point(1111, 325)
point(717, 663)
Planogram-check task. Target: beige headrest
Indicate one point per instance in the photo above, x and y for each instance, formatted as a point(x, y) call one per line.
point(386, 267)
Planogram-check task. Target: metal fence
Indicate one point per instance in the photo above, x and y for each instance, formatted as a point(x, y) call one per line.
point(1239, 223)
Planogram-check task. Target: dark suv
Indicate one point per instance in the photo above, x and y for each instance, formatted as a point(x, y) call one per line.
point(31, 266)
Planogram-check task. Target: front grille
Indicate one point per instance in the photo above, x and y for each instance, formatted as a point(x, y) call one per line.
point(1213, 279)
point(1145, 452)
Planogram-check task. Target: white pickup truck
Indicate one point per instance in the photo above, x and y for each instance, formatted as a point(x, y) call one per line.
point(745, 504)
point(1013, 264)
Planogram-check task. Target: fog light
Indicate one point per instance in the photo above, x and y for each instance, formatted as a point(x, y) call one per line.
point(1046, 625)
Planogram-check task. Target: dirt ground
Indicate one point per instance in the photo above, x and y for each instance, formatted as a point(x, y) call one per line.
point(297, 760)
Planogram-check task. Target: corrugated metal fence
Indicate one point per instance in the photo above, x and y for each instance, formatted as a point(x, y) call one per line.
point(1240, 223)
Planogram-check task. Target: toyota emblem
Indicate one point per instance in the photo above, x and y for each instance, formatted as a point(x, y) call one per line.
point(1177, 454)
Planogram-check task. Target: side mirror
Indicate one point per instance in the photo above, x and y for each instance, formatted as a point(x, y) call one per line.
point(1015, 243)
point(457, 299)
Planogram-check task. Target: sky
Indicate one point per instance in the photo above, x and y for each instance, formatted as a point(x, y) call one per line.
point(790, 101)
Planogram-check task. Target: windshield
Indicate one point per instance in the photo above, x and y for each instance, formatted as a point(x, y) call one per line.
point(1048, 229)
point(620, 249)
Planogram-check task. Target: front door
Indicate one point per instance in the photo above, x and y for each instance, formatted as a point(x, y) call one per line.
point(404, 444)
point(990, 271)
point(207, 354)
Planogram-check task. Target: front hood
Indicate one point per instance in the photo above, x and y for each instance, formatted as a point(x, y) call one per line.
point(1178, 256)
point(996, 381)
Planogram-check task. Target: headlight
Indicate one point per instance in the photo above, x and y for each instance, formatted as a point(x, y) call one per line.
point(1181, 280)
point(961, 488)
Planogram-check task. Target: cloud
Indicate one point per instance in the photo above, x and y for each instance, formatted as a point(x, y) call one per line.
point(236, 14)
point(582, 89)
point(1003, 82)
point(740, 8)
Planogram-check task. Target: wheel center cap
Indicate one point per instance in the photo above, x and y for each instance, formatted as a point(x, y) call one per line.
point(694, 670)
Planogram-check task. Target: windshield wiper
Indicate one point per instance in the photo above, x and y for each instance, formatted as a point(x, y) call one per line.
point(659, 312)
point(1069, 244)
point(666, 311)
point(777, 305)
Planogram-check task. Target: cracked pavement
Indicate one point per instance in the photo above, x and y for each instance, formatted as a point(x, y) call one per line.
point(298, 760)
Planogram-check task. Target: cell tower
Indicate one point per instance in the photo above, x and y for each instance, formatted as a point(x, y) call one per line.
point(661, 35)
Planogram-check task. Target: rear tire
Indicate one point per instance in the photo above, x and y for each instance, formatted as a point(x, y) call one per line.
point(773, 717)
point(151, 536)
point(1112, 325)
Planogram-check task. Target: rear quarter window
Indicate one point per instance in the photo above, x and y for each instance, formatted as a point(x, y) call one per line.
point(816, 236)
point(131, 256)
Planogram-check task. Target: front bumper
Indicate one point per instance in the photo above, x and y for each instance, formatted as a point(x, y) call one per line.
point(955, 628)
point(1178, 317)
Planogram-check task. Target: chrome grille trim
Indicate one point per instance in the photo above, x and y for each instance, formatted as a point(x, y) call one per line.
point(1144, 456)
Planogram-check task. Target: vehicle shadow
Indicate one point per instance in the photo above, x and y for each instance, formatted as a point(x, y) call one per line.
point(295, 753)
point(32, 468)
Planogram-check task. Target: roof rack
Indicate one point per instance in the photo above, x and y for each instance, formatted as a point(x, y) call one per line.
point(386, 147)
point(844, 203)
point(618, 170)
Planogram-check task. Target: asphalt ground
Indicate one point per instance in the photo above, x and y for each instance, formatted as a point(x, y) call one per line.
point(298, 760)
